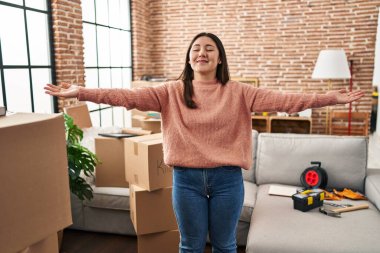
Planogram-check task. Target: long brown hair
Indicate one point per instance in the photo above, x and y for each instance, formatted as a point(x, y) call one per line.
point(222, 73)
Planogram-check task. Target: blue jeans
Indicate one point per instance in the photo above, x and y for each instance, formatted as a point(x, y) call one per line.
point(207, 201)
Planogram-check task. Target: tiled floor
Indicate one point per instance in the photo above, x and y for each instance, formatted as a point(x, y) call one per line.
point(374, 151)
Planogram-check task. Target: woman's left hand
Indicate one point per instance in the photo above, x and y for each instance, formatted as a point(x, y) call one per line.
point(344, 97)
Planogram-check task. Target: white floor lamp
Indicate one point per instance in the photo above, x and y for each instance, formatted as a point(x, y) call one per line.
point(331, 65)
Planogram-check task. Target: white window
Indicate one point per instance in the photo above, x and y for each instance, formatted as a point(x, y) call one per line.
point(107, 55)
point(25, 64)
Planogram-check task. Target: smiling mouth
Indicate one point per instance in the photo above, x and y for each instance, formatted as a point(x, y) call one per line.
point(202, 61)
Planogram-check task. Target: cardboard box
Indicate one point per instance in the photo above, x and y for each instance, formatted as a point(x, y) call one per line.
point(47, 245)
point(34, 185)
point(153, 125)
point(111, 171)
point(80, 115)
point(137, 116)
point(144, 163)
point(147, 123)
point(165, 242)
point(151, 212)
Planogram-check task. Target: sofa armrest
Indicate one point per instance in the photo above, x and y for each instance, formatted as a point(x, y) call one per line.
point(372, 186)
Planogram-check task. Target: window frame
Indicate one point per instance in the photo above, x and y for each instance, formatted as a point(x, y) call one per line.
point(98, 67)
point(29, 67)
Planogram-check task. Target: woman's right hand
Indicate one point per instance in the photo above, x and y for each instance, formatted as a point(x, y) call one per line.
point(66, 90)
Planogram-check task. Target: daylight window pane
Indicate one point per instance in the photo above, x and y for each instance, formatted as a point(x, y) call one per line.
point(114, 13)
point(1, 93)
point(117, 81)
point(91, 81)
point(88, 10)
point(38, 38)
point(127, 78)
point(127, 118)
point(95, 118)
point(118, 116)
point(37, 4)
point(126, 49)
point(89, 36)
point(104, 81)
point(17, 90)
point(125, 15)
point(105, 78)
point(43, 103)
point(103, 46)
point(102, 12)
point(13, 42)
point(115, 42)
point(106, 117)
point(19, 2)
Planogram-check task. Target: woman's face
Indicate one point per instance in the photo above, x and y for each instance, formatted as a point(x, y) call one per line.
point(204, 57)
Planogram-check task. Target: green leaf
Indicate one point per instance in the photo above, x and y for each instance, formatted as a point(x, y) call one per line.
point(80, 159)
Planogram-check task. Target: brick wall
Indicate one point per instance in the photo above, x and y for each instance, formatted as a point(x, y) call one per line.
point(277, 41)
point(142, 45)
point(68, 43)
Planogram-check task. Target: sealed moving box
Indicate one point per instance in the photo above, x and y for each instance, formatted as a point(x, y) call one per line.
point(147, 123)
point(47, 245)
point(151, 212)
point(80, 115)
point(34, 185)
point(144, 163)
point(167, 242)
point(150, 124)
point(111, 170)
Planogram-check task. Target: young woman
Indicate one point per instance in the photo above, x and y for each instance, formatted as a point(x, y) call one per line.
point(206, 124)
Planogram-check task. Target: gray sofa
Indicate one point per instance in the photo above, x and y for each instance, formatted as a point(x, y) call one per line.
point(269, 223)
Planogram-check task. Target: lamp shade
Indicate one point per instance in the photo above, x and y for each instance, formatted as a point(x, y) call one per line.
point(331, 64)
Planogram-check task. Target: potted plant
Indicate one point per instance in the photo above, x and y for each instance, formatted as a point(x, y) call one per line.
point(80, 160)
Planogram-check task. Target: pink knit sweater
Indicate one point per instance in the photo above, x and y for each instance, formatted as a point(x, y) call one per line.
point(219, 131)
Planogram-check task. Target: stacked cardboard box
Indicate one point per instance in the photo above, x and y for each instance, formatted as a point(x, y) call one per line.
point(47, 245)
point(110, 172)
point(80, 114)
point(34, 185)
point(147, 123)
point(150, 194)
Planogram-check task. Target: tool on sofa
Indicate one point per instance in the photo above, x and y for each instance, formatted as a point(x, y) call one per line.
point(308, 199)
point(329, 212)
point(314, 177)
point(345, 193)
point(334, 210)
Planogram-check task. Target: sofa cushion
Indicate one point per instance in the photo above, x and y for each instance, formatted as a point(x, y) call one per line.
point(109, 198)
point(249, 175)
point(277, 227)
point(281, 158)
point(250, 191)
point(372, 187)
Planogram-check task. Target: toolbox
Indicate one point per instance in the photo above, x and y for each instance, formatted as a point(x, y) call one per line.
point(306, 200)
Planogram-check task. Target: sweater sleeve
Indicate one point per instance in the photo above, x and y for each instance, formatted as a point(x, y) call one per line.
point(264, 100)
point(143, 99)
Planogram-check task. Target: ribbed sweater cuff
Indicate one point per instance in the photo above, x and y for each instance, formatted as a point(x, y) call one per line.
point(85, 94)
